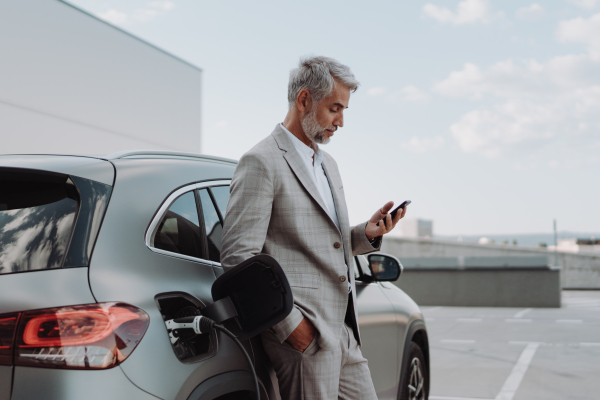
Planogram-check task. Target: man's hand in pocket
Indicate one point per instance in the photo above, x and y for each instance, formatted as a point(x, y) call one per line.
point(302, 336)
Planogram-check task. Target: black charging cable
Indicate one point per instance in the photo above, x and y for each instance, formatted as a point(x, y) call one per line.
point(200, 324)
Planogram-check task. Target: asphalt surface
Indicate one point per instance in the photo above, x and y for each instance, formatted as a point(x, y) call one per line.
point(516, 353)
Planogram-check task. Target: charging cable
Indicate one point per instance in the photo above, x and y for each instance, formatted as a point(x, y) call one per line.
point(188, 327)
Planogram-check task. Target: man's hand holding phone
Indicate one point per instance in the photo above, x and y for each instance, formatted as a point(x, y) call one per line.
point(383, 221)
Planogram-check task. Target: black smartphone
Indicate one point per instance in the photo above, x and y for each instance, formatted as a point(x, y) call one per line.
point(404, 204)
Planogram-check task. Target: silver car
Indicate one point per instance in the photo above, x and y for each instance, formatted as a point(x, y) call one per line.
point(96, 253)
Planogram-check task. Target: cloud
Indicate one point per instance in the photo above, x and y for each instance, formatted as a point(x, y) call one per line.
point(164, 5)
point(586, 4)
point(527, 125)
point(144, 14)
point(521, 79)
point(503, 79)
point(530, 12)
point(529, 106)
point(467, 12)
point(409, 94)
point(422, 145)
point(413, 94)
point(582, 30)
point(113, 16)
point(534, 105)
point(515, 123)
point(152, 10)
point(376, 91)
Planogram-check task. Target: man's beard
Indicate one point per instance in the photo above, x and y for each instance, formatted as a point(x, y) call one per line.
point(314, 131)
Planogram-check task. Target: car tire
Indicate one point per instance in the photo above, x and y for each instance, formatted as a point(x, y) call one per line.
point(415, 380)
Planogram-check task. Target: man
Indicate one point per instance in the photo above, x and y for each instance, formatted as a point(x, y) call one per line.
point(287, 200)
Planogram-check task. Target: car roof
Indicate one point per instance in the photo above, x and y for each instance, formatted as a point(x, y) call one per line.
point(165, 154)
point(86, 167)
point(97, 168)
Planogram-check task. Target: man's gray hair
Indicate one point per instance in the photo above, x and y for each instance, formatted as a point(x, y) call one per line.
point(318, 75)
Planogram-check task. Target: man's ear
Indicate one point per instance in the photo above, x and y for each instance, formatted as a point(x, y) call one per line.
point(303, 101)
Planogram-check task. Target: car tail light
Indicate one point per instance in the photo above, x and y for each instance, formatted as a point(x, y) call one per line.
point(94, 336)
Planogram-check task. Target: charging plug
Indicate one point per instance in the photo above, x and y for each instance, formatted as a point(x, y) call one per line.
point(187, 327)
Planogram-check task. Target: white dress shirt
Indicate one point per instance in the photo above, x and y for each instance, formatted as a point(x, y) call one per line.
point(314, 163)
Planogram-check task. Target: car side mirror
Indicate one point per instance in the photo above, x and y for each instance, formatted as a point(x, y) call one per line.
point(256, 293)
point(384, 268)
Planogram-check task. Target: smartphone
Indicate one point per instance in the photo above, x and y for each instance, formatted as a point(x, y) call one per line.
point(401, 206)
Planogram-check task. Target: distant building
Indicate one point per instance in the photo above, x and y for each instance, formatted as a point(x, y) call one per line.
point(73, 84)
point(415, 227)
point(572, 245)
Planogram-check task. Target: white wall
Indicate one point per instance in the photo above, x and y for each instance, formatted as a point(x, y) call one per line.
point(70, 83)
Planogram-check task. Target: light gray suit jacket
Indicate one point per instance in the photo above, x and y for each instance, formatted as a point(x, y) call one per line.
point(275, 208)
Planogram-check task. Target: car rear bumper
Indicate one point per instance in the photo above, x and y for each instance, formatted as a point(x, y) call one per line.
point(5, 381)
point(63, 384)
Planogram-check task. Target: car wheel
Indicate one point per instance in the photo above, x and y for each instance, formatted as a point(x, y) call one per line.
point(415, 381)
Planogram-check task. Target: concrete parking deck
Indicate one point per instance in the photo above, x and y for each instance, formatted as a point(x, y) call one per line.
point(516, 354)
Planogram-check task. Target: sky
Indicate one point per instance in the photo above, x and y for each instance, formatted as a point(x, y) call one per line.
point(486, 114)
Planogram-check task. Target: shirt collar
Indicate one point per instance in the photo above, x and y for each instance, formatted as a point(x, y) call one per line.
point(303, 149)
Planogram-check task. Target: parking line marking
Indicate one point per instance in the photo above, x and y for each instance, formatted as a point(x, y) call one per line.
point(526, 343)
point(590, 344)
point(518, 372)
point(468, 319)
point(521, 313)
point(432, 308)
point(569, 321)
point(455, 398)
point(520, 320)
point(456, 341)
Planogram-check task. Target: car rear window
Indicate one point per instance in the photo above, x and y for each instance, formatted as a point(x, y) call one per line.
point(37, 214)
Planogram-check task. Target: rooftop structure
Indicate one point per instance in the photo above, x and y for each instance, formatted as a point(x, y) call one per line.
point(574, 245)
point(415, 227)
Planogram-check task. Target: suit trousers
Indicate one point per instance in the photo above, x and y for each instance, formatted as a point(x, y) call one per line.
point(317, 374)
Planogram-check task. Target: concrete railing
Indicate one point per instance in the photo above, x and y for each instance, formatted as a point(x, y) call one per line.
point(503, 281)
point(578, 271)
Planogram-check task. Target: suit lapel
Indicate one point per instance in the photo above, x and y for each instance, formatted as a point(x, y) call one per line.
point(335, 183)
point(297, 166)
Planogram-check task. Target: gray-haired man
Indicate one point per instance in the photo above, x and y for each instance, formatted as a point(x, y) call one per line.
point(287, 200)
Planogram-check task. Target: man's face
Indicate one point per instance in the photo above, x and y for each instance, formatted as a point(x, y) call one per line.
point(323, 119)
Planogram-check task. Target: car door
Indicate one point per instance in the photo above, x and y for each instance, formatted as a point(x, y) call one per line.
point(379, 331)
point(167, 274)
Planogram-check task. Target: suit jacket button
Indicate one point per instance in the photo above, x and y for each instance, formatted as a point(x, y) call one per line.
point(337, 245)
point(342, 279)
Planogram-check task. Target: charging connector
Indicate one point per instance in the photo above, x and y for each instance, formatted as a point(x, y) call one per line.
point(188, 327)
point(185, 327)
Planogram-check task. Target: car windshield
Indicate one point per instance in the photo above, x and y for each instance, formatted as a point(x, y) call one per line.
point(36, 220)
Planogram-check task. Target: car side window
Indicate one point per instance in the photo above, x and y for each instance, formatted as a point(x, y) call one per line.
point(221, 196)
point(356, 270)
point(362, 268)
point(179, 230)
point(212, 225)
